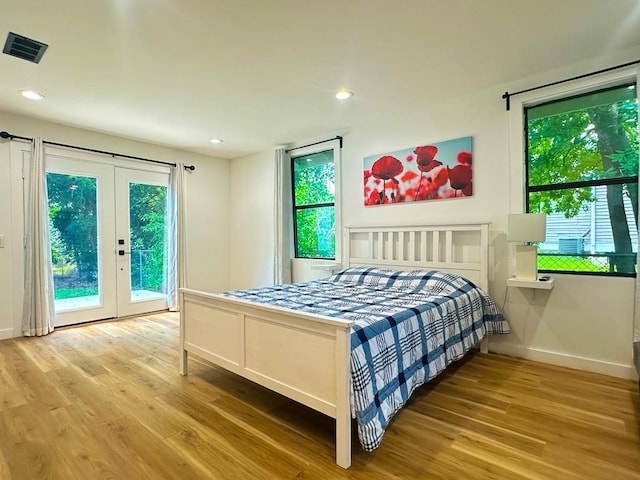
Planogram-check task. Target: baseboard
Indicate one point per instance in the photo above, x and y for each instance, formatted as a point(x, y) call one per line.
point(569, 361)
point(6, 333)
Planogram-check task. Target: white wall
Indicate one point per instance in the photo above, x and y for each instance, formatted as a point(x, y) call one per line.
point(584, 322)
point(252, 221)
point(207, 209)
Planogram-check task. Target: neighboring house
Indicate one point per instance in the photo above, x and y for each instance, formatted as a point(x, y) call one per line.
point(587, 232)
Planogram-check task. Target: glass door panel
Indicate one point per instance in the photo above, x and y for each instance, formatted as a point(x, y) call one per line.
point(81, 229)
point(73, 229)
point(147, 230)
point(141, 225)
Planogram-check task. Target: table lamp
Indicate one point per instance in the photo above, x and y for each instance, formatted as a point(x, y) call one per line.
point(527, 227)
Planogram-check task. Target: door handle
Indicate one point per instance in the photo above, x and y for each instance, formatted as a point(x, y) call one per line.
point(122, 253)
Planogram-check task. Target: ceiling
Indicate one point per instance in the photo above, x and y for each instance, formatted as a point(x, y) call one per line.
point(259, 73)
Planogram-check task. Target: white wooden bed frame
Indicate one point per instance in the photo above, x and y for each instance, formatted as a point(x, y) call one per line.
point(307, 357)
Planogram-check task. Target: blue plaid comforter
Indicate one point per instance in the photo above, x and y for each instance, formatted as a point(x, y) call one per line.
point(409, 326)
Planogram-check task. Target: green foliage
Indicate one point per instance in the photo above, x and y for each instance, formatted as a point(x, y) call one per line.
point(148, 210)
point(586, 139)
point(565, 148)
point(627, 160)
point(570, 263)
point(61, 293)
point(562, 149)
point(74, 224)
point(314, 183)
point(316, 232)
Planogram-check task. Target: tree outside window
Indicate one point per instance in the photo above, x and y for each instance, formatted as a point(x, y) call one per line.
point(313, 182)
point(73, 229)
point(582, 171)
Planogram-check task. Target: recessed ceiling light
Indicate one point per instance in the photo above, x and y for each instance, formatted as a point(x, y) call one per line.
point(31, 95)
point(215, 140)
point(343, 94)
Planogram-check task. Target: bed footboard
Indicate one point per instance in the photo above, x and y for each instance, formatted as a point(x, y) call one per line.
point(304, 357)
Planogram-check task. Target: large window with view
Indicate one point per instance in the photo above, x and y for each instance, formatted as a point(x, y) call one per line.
point(582, 171)
point(314, 218)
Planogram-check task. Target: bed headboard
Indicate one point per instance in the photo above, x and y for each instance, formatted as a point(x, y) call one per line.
point(461, 249)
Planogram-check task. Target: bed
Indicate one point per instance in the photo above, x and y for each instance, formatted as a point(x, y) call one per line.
point(334, 344)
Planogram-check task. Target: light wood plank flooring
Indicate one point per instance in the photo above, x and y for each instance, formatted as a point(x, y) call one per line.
point(106, 401)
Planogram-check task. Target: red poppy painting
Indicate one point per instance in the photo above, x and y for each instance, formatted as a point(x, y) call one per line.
point(424, 172)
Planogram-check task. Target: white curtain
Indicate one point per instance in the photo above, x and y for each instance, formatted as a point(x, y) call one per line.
point(176, 254)
point(282, 228)
point(39, 308)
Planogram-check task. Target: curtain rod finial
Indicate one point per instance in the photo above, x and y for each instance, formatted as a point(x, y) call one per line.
point(190, 167)
point(5, 134)
point(507, 98)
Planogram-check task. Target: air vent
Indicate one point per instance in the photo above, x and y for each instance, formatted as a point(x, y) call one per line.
point(23, 47)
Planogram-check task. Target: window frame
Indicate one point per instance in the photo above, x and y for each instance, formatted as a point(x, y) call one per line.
point(622, 79)
point(333, 146)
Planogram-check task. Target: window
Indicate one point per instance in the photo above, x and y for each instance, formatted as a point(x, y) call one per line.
point(314, 213)
point(582, 171)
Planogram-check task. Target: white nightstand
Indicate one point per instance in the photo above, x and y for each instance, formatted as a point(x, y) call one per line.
point(328, 266)
point(541, 285)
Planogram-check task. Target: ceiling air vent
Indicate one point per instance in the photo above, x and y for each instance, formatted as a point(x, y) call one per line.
point(23, 47)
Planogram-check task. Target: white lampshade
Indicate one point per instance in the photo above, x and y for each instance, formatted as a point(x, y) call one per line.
point(527, 227)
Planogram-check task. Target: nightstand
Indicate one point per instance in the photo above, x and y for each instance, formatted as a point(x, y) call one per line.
point(539, 284)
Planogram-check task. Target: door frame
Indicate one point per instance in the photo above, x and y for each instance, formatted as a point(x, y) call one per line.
point(20, 164)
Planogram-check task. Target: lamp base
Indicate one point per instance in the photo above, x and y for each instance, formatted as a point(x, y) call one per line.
point(527, 262)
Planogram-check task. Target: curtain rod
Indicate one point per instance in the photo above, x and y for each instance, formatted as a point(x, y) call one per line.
point(10, 136)
point(507, 96)
point(338, 137)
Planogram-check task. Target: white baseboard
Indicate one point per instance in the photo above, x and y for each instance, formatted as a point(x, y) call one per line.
point(565, 360)
point(6, 333)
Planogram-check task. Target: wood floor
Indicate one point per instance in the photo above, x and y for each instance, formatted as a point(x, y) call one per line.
point(105, 401)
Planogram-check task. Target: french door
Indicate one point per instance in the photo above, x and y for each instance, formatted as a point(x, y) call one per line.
point(108, 232)
point(141, 238)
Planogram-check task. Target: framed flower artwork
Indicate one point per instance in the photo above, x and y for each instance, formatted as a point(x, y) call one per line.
point(424, 172)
